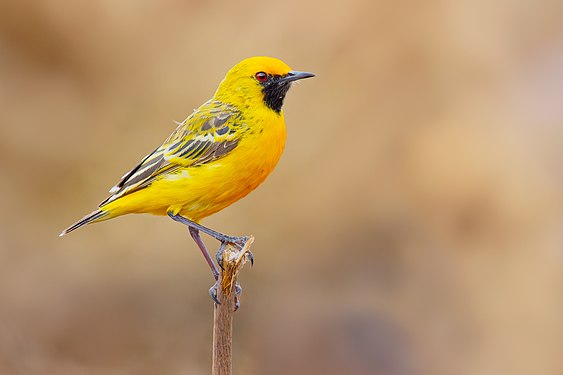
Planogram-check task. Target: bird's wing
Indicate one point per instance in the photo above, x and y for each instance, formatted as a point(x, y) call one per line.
point(208, 134)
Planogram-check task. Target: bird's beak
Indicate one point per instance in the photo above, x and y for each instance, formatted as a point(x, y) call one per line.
point(295, 75)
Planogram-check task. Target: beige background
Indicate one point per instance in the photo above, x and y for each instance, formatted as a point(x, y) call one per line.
point(413, 225)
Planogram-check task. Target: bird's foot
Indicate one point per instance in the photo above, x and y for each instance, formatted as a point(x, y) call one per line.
point(238, 242)
point(214, 293)
point(231, 256)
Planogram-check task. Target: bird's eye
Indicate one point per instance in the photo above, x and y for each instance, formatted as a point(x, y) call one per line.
point(261, 76)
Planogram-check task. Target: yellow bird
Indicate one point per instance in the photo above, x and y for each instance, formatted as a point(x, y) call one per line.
point(216, 156)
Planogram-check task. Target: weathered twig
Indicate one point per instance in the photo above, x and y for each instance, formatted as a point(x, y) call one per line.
point(233, 260)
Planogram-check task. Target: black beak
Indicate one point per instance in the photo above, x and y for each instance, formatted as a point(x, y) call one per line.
point(295, 75)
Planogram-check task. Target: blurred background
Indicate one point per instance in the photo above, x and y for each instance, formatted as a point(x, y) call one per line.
point(413, 225)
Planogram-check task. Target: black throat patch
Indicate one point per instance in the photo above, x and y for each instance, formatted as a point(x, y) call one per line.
point(274, 92)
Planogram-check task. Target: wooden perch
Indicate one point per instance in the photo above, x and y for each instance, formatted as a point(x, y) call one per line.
point(233, 259)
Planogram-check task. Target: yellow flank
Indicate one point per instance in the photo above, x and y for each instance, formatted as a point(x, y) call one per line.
point(219, 154)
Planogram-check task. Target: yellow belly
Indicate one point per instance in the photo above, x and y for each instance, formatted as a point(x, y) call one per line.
point(200, 191)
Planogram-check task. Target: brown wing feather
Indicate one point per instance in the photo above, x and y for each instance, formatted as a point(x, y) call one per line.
point(205, 136)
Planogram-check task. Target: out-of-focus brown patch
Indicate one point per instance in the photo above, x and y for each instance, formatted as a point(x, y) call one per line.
point(413, 225)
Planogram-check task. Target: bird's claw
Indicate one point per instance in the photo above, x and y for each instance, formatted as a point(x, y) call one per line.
point(250, 257)
point(238, 291)
point(219, 255)
point(236, 241)
point(213, 292)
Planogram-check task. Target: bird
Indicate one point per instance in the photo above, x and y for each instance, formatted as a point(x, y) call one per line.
point(216, 156)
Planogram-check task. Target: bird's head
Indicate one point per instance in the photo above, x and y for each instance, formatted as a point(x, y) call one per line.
point(258, 80)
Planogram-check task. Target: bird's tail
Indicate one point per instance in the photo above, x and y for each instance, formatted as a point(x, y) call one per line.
point(93, 217)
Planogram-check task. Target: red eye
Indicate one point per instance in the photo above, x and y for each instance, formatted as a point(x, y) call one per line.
point(261, 76)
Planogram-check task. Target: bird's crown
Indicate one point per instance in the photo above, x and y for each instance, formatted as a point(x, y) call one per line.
point(253, 65)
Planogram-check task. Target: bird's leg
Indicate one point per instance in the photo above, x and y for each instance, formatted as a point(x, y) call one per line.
point(237, 241)
point(195, 235)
